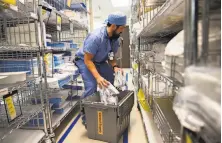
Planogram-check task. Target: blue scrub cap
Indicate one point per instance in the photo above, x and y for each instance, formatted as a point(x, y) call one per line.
point(116, 18)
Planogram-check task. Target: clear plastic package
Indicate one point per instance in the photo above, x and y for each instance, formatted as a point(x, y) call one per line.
point(206, 80)
point(198, 104)
point(107, 95)
point(198, 113)
point(120, 80)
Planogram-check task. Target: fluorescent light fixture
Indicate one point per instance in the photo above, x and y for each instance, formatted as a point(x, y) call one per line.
point(120, 3)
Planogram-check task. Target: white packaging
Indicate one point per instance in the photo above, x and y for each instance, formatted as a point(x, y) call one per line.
point(106, 95)
point(206, 80)
point(120, 79)
point(20, 34)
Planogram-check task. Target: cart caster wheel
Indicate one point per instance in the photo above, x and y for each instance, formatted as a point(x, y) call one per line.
point(53, 140)
point(48, 140)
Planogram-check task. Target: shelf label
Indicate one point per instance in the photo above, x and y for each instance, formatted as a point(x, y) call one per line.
point(68, 3)
point(188, 139)
point(12, 2)
point(100, 122)
point(43, 11)
point(10, 107)
point(59, 22)
point(135, 66)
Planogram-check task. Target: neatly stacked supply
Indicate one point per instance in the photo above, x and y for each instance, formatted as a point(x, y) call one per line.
point(198, 104)
point(58, 59)
point(24, 34)
point(26, 65)
point(155, 61)
point(152, 59)
point(174, 58)
point(77, 16)
point(173, 64)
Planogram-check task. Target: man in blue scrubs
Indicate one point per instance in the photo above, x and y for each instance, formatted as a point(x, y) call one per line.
point(95, 61)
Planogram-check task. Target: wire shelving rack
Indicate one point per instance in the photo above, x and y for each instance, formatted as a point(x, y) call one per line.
point(159, 22)
point(24, 27)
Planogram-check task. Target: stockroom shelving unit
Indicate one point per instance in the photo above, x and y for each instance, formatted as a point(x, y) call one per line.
point(158, 29)
point(38, 80)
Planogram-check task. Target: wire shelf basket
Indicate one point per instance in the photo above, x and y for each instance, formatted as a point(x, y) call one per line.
point(20, 9)
point(17, 107)
point(166, 120)
point(19, 34)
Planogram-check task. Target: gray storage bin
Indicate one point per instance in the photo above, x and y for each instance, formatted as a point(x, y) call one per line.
point(108, 122)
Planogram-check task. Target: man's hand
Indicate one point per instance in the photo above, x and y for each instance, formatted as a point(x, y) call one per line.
point(102, 82)
point(116, 69)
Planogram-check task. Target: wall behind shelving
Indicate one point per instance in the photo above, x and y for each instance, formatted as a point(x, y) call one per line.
point(101, 10)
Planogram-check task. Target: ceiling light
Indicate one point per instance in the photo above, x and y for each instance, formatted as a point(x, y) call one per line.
point(120, 3)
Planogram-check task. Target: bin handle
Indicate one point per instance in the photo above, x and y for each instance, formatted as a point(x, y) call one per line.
point(102, 108)
point(124, 100)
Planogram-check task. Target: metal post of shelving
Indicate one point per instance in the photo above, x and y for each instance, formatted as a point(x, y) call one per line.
point(190, 29)
point(43, 48)
point(47, 139)
point(138, 58)
point(205, 32)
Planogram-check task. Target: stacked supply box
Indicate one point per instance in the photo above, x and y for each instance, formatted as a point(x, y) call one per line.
point(24, 34)
point(62, 45)
point(16, 65)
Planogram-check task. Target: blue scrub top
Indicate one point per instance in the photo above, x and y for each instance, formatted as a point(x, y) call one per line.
point(98, 44)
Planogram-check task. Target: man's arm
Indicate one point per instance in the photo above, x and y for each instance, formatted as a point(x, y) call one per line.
point(92, 68)
point(90, 65)
point(112, 62)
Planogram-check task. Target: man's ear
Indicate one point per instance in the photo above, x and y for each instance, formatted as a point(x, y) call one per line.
point(113, 26)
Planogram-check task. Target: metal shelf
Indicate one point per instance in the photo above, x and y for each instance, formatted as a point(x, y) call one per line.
point(25, 136)
point(18, 85)
point(60, 50)
point(56, 82)
point(28, 112)
point(151, 129)
point(68, 105)
point(79, 7)
point(18, 48)
point(51, 20)
point(166, 120)
point(17, 11)
point(167, 21)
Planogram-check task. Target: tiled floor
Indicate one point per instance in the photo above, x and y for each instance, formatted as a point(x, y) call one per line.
point(136, 131)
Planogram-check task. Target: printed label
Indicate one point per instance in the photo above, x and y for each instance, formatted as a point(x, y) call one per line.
point(188, 139)
point(68, 3)
point(10, 106)
point(100, 122)
point(59, 21)
point(43, 11)
point(12, 2)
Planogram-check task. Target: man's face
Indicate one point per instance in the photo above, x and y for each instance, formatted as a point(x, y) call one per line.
point(117, 30)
